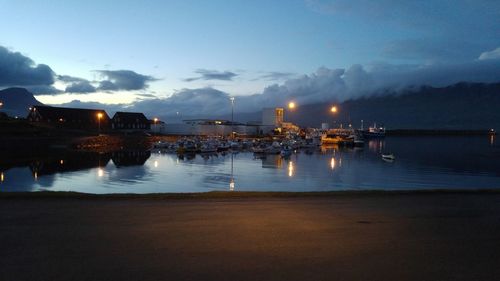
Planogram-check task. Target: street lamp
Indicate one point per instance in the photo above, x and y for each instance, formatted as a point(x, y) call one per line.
point(333, 110)
point(99, 116)
point(291, 105)
point(232, 117)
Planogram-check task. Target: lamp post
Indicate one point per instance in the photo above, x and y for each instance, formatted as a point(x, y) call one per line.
point(333, 110)
point(99, 116)
point(155, 121)
point(232, 117)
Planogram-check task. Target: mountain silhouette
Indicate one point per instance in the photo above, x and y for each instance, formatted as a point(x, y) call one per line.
point(16, 101)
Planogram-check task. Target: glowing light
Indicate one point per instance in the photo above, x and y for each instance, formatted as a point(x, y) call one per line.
point(99, 115)
point(156, 163)
point(492, 139)
point(290, 169)
point(333, 109)
point(332, 163)
point(291, 105)
point(60, 119)
point(155, 120)
point(35, 175)
point(61, 162)
point(231, 185)
point(1, 104)
point(2, 177)
point(100, 172)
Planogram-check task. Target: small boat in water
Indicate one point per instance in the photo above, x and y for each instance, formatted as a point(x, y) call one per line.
point(388, 157)
point(286, 151)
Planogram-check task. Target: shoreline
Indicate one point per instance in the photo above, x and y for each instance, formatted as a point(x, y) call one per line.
point(245, 194)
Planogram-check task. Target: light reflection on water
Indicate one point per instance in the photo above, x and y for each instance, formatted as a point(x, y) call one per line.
point(421, 162)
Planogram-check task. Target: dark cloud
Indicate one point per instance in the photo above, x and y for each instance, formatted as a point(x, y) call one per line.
point(80, 87)
point(70, 79)
point(206, 74)
point(19, 70)
point(43, 90)
point(201, 102)
point(123, 80)
point(275, 76)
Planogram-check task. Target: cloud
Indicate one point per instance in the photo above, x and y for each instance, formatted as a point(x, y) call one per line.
point(206, 74)
point(127, 80)
point(19, 70)
point(70, 79)
point(43, 90)
point(110, 108)
point(324, 85)
point(494, 54)
point(275, 75)
point(80, 87)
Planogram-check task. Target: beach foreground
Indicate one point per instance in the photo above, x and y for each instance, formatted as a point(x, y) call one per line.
point(349, 237)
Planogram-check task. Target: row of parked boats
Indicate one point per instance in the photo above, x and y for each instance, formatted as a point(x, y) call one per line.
point(284, 146)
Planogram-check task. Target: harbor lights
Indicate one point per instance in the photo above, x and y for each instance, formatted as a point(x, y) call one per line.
point(232, 117)
point(99, 117)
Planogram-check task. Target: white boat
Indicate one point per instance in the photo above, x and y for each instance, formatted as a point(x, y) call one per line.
point(374, 132)
point(388, 156)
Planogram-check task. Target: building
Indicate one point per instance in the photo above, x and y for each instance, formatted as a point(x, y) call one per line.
point(74, 118)
point(212, 127)
point(272, 116)
point(130, 121)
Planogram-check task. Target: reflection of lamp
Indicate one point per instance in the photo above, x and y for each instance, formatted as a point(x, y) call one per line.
point(231, 182)
point(332, 163)
point(2, 177)
point(290, 169)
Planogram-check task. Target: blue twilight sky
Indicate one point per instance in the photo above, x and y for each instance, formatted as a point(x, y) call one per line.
point(187, 52)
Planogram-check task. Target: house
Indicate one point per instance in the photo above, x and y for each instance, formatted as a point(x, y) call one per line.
point(74, 118)
point(130, 121)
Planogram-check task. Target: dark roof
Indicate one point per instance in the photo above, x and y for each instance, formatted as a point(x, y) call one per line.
point(130, 117)
point(54, 113)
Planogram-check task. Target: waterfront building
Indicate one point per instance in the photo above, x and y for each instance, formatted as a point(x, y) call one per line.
point(130, 121)
point(273, 117)
point(73, 118)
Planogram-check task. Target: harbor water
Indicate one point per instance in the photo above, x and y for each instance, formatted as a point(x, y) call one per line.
point(427, 162)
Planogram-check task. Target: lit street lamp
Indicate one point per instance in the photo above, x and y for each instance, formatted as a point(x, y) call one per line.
point(99, 116)
point(333, 110)
point(291, 105)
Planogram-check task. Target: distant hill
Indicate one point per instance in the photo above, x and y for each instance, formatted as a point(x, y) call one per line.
point(16, 101)
point(459, 106)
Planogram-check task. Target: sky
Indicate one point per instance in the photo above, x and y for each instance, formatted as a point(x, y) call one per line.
point(165, 57)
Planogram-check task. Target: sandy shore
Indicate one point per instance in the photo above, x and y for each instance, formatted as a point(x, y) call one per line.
point(443, 236)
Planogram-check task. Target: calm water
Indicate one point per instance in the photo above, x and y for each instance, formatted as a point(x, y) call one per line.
point(421, 163)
